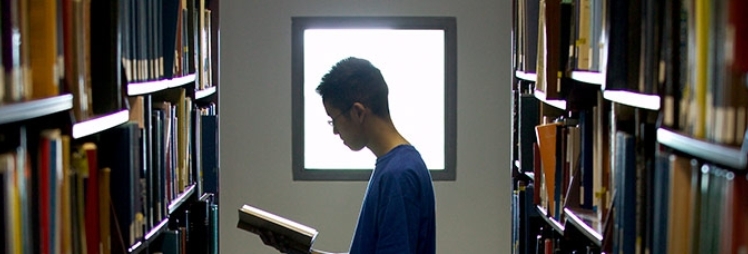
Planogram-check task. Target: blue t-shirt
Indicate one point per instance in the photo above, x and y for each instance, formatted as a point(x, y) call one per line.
point(398, 211)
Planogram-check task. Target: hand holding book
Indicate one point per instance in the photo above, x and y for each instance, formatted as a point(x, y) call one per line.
point(285, 235)
point(316, 251)
point(278, 241)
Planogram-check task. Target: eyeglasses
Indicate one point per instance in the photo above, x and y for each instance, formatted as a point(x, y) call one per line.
point(331, 122)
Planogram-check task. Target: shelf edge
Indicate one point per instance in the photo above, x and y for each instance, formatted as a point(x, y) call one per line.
point(633, 99)
point(22, 111)
point(714, 153)
point(589, 77)
point(526, 76)
point(142, 88)
point(199, 94)
point(99, 124)
point(559, 104)
point(177, 202)
point(588, 231)
point(555, 224)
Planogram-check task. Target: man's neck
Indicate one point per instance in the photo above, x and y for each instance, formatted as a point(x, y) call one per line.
point(383, 137)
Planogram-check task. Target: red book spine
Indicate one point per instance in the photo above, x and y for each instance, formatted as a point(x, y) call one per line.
point(739, 21)
point(92, 203)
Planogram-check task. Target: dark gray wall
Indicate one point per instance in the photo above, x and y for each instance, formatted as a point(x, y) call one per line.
point(472, 212)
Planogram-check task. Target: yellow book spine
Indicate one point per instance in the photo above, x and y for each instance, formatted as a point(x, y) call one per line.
point(182, 142)
point(702, 60)
point(13, 226)
point(43, 53)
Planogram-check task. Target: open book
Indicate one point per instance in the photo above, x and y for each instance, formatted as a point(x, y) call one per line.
point(297, 237)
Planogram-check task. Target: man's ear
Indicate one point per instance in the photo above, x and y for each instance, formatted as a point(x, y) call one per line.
point(359, 112)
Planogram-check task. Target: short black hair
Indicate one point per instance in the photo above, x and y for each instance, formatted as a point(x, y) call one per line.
point(355, 80)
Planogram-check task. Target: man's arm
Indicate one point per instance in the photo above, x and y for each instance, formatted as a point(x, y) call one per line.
point(398, 215)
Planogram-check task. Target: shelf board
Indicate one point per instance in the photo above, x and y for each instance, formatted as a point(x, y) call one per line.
point(149, 237)
point(100, 123)
point(162, 226)
point(633, 99)
point(725, 155)
point(560, 104)
point(148, 87)
point(531, 175)
point(186, 194)
point(589, 77)
point(586, 222)
point(26, 110)
point(555, 224)
point(526, 76)
point(199, 94)
point(206, 196)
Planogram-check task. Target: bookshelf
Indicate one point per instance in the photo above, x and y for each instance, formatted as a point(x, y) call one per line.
point(177, 203)
point(589, 77)
point(733, 157)
point(526, 76)
point(586, 223)
point(101, 123)
point(557, 226)
point(200, 94)
point(155, 232)
point(147, 87)
point(559, 104)
point(634, 99)
point(150, 237)
point(119, 152)
point(641, 143)
point(21, 111)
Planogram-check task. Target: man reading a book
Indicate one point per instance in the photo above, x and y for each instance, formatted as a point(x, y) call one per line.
point(398, 211)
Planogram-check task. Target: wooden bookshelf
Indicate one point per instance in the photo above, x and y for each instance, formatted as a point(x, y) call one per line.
point(22, 111)
point(526, 76)
point(142, 88)
point(100, 123)
point(585, 222)
point(633, 99)
point(733, 157)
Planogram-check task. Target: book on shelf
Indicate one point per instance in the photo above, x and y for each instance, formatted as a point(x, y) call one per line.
point(623, 45)
point(42, 18)
point(210, 167)
point(528, 118)
point(105, 57)
point(547, 137)
point(123, 155)
point(298, 237)
point(553, 46)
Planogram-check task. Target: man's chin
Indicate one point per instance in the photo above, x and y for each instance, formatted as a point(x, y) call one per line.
point(354, 148)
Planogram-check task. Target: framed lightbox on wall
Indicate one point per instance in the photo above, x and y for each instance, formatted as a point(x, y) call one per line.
point(417, 57)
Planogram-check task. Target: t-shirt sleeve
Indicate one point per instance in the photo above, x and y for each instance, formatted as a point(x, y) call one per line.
point(398, 214)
